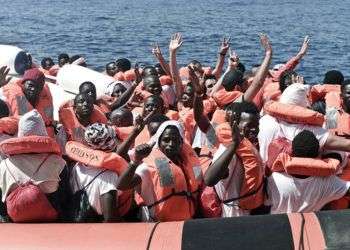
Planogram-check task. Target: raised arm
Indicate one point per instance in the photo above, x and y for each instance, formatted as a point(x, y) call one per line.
point(225, 45)
point(219, 168)
point(158, 54)
point(128, 178)
point(175, 43)
point(259, 78)
point(4, 70)
point(125, 97)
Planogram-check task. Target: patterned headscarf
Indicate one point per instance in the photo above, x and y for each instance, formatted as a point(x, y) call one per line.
point(101, 137)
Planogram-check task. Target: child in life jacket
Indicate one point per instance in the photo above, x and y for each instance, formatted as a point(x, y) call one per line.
point(300, 193)
point(168, 181)
point(32, 156)
point(237, 171)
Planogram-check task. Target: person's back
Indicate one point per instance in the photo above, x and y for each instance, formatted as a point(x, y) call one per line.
point(297, 193)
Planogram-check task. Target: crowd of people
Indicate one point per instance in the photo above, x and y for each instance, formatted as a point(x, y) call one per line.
point(169, 143)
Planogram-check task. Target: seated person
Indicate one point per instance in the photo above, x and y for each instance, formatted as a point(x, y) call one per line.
point(297, 194)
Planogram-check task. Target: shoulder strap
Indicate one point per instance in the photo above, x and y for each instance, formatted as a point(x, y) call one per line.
point(245, 195)
point(173, 193)
point(101, 172)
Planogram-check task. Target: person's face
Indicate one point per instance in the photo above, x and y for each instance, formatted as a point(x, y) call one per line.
point(249, 127)
point(83, 106)
point(62, 62)
point(111, 69)
point(187, 96)
point(48, 64)
point(32, 89)
point(209, 84)
point(345, 95)
point(170, 142)
point(153, 104)
point(153, 86)
point(118, 90)
point(121, 119)
point(153, 127)
point(89, 91)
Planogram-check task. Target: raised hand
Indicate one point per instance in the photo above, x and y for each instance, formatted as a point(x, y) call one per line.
point(4, 70)
point(225, 45)
point(142, 151)
point(236, 134)
point(305, 46)
point(138, 78)
point(142, 120)
point(156, 50)
point(233, 60)
point(198, 88)
point(175, 42)
point(265, 42)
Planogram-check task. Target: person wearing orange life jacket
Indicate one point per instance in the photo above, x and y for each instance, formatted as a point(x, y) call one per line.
point(83, 113)
point(8, 124)
point(103, 195)
point(237, 171)
point(169, 177)
point(46, 64)
point(32, 156)
point(291, 194)
point(122, 121)
point(30, 93)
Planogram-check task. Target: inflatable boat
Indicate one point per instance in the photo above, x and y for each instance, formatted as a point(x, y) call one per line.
point(322, 230)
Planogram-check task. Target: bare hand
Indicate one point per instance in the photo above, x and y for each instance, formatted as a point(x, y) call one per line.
point(142, 120)
point(4, 70)
point(156, 50)
point(175, 42)
point(265, 42)
point(142, 151)
point(225, 45)
point(138, 77)
point(233, 60)
point(236, 135)
point(305, 46)
point(297, 79)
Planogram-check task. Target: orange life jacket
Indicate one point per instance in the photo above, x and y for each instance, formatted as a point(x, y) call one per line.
point(95, 158)
point(293, 113)
point(223, 97)
point(74, 130)
point(277, 146)
point(104, 103)
point(123, 132)
point(223, 133)
point(252, 184)
point(184, 72)
point(30, 145)
point(189, 124)
point(271, 92)
point(119, 76)
point(319, 91)
point(219, 117)
point(166, 80)
point(305, 166)
point(9, 125)
point(19, 105)
point(175, 187)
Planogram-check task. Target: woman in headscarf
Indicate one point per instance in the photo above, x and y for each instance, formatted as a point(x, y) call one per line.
point(169, 177)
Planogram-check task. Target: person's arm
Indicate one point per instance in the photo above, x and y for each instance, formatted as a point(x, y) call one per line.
point(233, 62)
point(126, 96)
point(201, 119)
point(158, 54)
point(109, 206)
point(338, 143)
point(4, 70)
point(259, 78)
point(218, 169)
point(128, 178)
point(221, 58)
point(175, 43)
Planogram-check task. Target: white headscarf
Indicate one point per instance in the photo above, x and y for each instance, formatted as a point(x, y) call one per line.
point(31, 123)
point(162, 127)
point(296, 94)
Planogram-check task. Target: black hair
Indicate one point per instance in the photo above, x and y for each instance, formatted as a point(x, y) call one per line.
point(333, 155)
point(286, 79)
point(158, 118)
point(160, 69)
point(344, 83)
point(121, 109)
point(210, 76)
point(156, 98)
point(333, 77)
point(231, 79)
point(109, 64)
point(76, 57)
point(152, 71)
point(86, 97)
point(63, 56)
point(86, 83)
point(319, 106)
point(305, 144)
point(149, 78)
point(196, 63)
point(241, 67)
point(44, 60)
point(237, 108)
point(4, 109)
point(123, 64)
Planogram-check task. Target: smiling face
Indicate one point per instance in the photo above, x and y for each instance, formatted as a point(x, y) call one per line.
point(170, 142)
point(152, 85)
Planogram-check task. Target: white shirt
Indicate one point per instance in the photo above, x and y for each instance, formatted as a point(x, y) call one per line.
point(270, 129)
point(231, 186)
point(105, 182)
point(288, 194)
